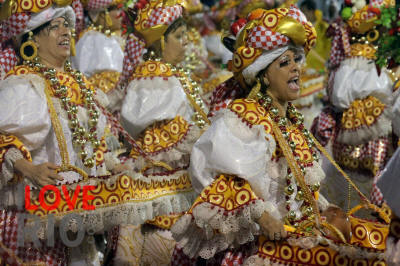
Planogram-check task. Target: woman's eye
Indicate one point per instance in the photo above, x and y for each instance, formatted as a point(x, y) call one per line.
point(298, 59)
point(284, 63)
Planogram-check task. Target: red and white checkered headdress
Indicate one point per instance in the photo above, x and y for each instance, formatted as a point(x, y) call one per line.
point(24, 16)
point(134, 50)
point(154, 18)
point(269, 31)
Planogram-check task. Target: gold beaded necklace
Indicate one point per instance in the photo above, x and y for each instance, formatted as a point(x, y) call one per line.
point(296, 170)
point(80, 136)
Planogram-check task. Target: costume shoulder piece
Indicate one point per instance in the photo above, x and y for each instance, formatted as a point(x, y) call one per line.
point(252, 113)
point(20, 70)
point(151, 69)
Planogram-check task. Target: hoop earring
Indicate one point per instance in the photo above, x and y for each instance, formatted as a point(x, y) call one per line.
point(29, 43)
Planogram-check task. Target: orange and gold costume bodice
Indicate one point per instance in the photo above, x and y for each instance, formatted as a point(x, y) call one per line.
point(254, 114)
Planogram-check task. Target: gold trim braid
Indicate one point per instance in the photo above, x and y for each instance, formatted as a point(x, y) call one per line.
point(62, 144)
point(294, 167)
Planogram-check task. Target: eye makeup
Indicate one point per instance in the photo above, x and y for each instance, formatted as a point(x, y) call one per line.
point(285, 61)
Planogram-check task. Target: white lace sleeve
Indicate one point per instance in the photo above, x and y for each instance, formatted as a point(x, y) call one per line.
point(24, 112)
point(7, 168)
point(230, 147)
point(151, 100)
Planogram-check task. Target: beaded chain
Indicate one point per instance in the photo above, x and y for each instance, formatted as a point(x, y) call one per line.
point(80, 136)
point(297, 119)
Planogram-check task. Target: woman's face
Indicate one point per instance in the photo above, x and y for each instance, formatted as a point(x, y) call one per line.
point(116, 18)
point(53, 42)
point(175, 45)
point(283, 76)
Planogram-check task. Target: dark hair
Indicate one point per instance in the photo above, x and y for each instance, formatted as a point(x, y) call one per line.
point(28, 49)
point(309, 4)
point(156, 46)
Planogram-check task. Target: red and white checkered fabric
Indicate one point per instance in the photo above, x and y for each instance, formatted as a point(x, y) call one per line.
point(179, 258)
point(13, 26)
point(376, 194)
point(28, 254)
point(260, 37)
point(295, 13)
point(134, 50)
point(340, 43)
point(324, 126)
point(164, 15)
point(98, 4)
point(8, 59)
point(224, 94)
point(79, 16)
point(117, 129)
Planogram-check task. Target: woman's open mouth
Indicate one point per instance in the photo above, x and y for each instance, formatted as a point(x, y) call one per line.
point(294, 83)
point(64, 44)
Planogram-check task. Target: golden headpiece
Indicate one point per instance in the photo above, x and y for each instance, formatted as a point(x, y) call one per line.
point(267, 30)
point(193, 6)
point(21, 16)
point(154, 18)
point(11, 7)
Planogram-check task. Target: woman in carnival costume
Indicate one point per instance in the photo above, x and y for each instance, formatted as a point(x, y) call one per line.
point(164, 110)
point(53, 133)
point(358, 121)
point(100, 49)
point(257, 168)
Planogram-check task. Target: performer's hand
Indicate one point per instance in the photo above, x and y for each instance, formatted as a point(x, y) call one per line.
point(272, 227)
point(338, 218)
point(40, 175)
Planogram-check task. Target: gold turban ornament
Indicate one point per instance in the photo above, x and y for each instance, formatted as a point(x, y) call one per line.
point(268, 30)
point(155, 17)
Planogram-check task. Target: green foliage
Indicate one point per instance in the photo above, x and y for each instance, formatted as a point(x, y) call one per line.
point(389, 42)
point(346, 13)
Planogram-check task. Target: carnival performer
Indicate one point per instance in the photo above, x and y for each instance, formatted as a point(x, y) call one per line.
point(100, 49)
point(357, 124)
point(52, 133)
point(257, 168)
point(164, 110)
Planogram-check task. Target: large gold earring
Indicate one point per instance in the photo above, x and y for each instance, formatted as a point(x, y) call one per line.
point(26, 46)
point(108, 19)
point(254, 91)
point(73, 49)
